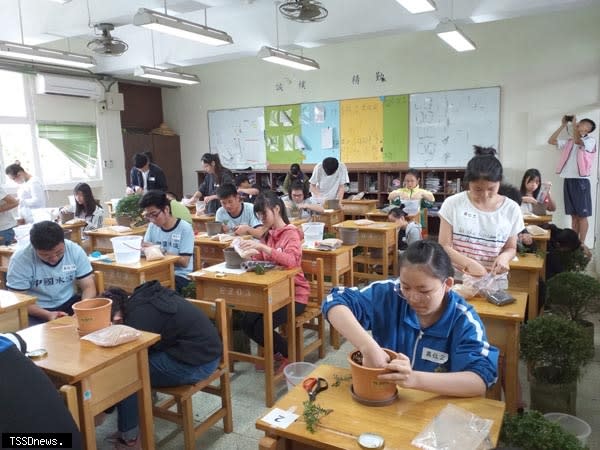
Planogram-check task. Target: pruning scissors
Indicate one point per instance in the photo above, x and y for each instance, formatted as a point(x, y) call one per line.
point(313, 386)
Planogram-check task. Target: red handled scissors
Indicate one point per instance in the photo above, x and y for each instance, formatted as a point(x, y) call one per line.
point(313, 386)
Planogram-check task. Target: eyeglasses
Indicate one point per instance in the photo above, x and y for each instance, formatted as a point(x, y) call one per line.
point(417, 296)
point(152, 215)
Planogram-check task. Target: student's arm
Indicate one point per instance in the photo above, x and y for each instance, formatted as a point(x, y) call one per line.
point(549, 203)
point(256, 232)
point(460, 261)
point(502, 262)
point(314, 190)
point(249, 191)
point(8, 202)
point(340, 193)
point(312, 207)
point(553, 140)
point(43, 314)
point(342, 319)
point(458, 384)
point(428, 195)
point(38, 199)
point(87, 286)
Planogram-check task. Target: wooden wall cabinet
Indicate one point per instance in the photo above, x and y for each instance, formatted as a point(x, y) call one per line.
point(166, 153)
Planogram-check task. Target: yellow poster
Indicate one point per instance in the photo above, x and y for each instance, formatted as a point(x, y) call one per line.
point(361, 124)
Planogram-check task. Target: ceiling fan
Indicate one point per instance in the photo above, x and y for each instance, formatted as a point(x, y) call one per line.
point(303, 10)
point(105, 43)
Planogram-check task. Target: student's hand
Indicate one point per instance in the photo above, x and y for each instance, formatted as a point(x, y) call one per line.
point(251, 244)
point(529, 199)
point(128, 191)
point(501, 265)
point(375, 357)
point(475, 269)
point(138, 190)
point(53, 315)
point(402, 372)
point(242, 230)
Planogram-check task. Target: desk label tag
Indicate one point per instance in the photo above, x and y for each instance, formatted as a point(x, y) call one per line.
point(279, 418)
point(87, 394)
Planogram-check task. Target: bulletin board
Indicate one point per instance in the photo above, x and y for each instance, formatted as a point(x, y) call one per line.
point(237, 136)
point(445, 125)
point(361, 124)
point(320, 131)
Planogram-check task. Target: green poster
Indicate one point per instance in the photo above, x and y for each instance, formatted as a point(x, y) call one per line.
point(282, 134)
point(395, 128)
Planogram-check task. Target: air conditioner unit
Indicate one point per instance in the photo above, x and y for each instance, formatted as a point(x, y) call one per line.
point(70, 86)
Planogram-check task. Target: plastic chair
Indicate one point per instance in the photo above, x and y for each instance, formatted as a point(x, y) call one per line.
point(181, 396)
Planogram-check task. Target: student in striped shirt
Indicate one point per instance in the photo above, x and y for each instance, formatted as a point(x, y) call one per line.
point(479, 227)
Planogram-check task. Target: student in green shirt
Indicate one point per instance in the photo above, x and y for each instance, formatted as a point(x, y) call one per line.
point(179, 210)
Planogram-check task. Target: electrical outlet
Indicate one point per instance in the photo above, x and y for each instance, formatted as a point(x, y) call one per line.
point(111, 164)
point(105, 164)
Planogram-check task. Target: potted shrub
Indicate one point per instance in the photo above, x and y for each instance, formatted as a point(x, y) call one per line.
point(532, 431)
point(574, 295)
point(555, 349)
point(128, 212)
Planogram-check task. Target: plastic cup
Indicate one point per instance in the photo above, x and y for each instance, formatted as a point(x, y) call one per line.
point(571, 424)
point(296, 372)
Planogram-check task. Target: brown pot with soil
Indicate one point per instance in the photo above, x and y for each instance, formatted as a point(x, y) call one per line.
point(92, 314)
point(366, 387)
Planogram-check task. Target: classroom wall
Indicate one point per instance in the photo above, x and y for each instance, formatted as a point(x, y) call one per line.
point(546, 66)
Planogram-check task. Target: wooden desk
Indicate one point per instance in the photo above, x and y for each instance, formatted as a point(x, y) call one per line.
point(524, 275)
point(380, 239)
point(130, 276)
point(502, 325)
point(102, 376)
point(263, 294)
point(298, 221)
point(354, 208)
point(541, 241)
point(100, 238)
point(338, 265)
point(398, 423)
point(199, 222)
point(330, 218)
point(536, 220)
point(6, 252)
point(211, 251)
point(76, 230)
point(378, 216)
point(13, 310)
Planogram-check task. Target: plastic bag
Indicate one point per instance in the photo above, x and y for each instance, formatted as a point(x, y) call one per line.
point(113, 335)
point(455, 428)
point(485, 284)
point(153, 253)
point(244, 253)
point(328, 244)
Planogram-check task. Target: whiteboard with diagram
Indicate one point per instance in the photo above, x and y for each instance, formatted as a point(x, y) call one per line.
point(238, 136)
point(445, 125)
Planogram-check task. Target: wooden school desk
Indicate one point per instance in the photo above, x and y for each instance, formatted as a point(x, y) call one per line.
point(356, 208)
point(502, 325)
point(6, 252)
point(298, 221)
point(532, 219)
point(103, 376)
point(76, 230)
point(398, 423)
point(100, 238)
point(199, 222)
point(263, 294)
point(524, 276)
point(380, 238)
point(130, 276)
point(329, 217)
point(13, 310)
point(541, 241)
point(211, 251)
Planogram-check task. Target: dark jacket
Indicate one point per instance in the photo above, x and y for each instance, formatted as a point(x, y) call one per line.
point(186, 333)
point(156, 178)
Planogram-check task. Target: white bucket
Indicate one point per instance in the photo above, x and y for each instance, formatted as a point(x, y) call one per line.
point(571, 424)
point(313, 231)
point(22, 235)
point(127, 249)
point(296, 372)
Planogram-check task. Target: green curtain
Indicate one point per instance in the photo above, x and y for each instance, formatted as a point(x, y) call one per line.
point(77, 142)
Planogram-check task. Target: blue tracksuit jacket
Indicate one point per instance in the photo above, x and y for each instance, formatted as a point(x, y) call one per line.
point(456, 342)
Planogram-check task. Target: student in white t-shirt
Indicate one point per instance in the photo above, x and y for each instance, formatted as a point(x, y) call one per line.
point(479, 227)
point(31, 192)
point(328, 179)
point(236, 215)
point(7, 220)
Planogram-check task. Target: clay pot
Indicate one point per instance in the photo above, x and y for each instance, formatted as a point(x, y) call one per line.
point(349, 236)
point(332, 204)
point(366, 387)
point(213, 228)
point(92, 314)
point(232, 259)
point(124, 221)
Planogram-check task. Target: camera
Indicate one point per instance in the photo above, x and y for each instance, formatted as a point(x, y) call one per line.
point(569, 118)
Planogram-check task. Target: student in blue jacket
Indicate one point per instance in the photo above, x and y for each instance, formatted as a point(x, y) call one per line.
point(441, 343)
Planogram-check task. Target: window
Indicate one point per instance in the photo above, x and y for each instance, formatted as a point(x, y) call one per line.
point(59, 153)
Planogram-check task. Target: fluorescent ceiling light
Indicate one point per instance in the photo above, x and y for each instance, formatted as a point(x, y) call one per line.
point(166, 75)
point(45, 55)
point(179, 27)
point(454, 37)
point(277, 56)
point(61, 1)
point(418, 6)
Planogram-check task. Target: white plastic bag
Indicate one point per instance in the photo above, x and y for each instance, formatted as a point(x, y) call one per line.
point(244, 254)
point(113, 335)
point(455, 428)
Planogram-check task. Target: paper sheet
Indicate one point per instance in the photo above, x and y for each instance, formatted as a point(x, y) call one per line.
point(326, 138)
point(220, 268)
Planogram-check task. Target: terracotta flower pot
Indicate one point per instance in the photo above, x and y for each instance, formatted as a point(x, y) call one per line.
point(92, 314)
point(366, 387)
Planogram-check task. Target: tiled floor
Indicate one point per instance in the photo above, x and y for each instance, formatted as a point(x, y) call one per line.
point(248, 405)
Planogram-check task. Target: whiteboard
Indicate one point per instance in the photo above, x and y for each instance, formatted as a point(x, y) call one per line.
point(238, 136)
point(445, 125)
